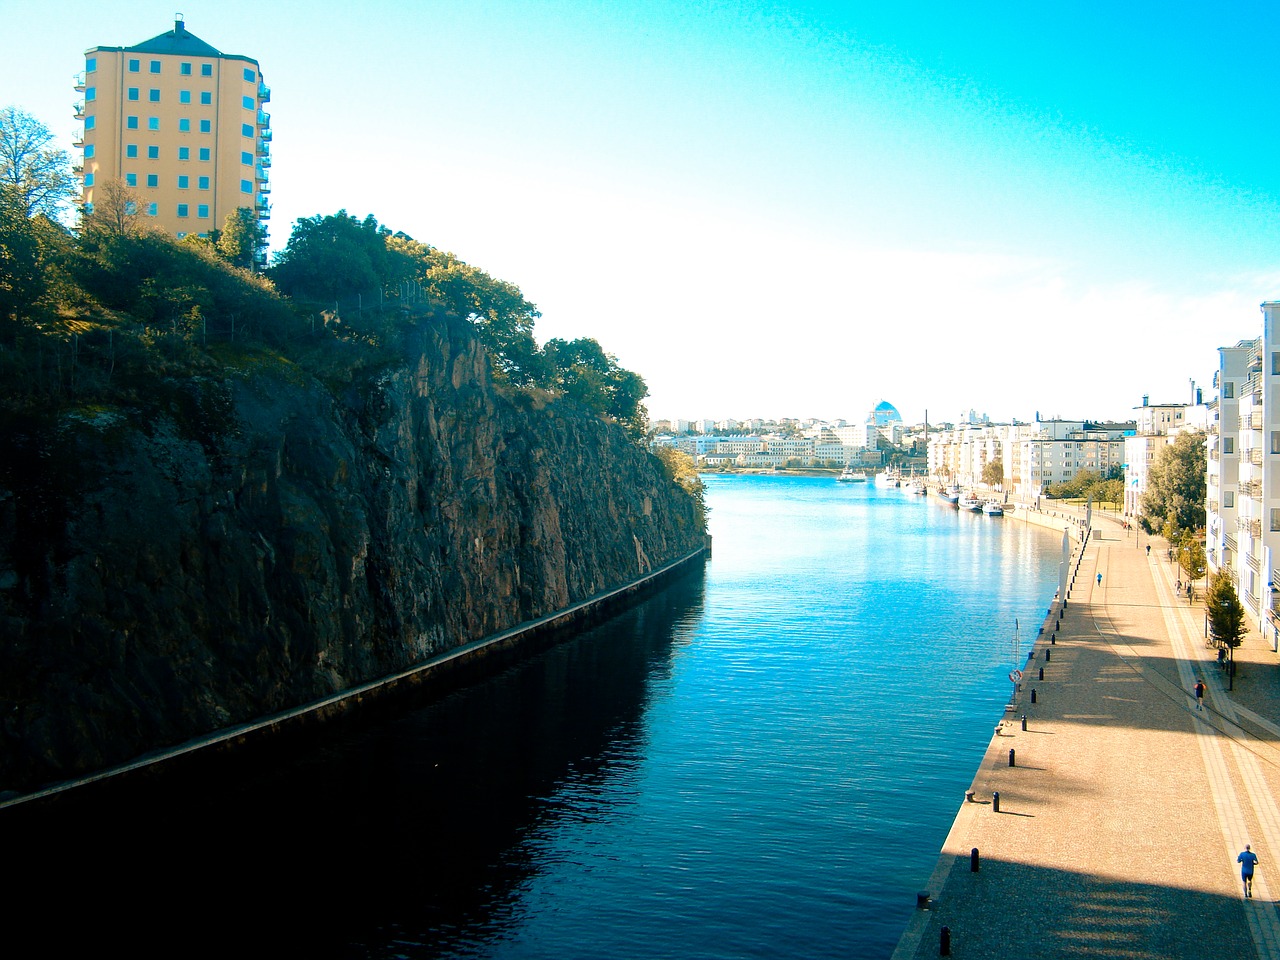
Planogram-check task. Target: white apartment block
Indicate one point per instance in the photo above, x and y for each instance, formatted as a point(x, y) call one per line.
point(1157, 425)
point(1243, 524)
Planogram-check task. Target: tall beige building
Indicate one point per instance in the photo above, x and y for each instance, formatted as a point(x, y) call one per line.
point(182, 125)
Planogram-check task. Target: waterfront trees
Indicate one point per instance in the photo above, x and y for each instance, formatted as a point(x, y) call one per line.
point(1176, 486)
point(1226, 615)
point(993, 473)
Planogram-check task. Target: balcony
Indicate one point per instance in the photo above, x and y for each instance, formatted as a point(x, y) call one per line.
point(77, 139)
point(264, 188)
point(1255, 456)
point(264, 161)
point(1255, 528)
point(1255, 420)
point(1251, 488)
point(264, 148)
point(264, 118)
point(265, 134)
point(1231, 542)
point(78, 110)
point(77, 80)
point(1254, 565)
point(264, 93)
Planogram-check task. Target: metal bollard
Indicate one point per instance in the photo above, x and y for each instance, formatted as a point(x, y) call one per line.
point(973, 860)
point(1042, 673)
point(944, 947)
point(1012, 754)
point(1048, 655)
point(922, 900)
point(1053, 638)
point(995, 802)
point(1024, 721)
point(1033, 694)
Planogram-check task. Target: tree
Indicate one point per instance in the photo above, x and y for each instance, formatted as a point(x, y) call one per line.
point(116, 210)
point(1226, 615)
point(39, 172)
point(1176, 485)
point(21, 274)
point(993, 473)
point(1191, 558)
point(240, 238)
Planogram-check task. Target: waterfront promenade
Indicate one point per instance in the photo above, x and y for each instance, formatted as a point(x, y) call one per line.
point(1120, 821)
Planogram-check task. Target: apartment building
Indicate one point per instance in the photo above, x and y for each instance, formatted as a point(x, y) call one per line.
point(1243, 524)
point(181, 125)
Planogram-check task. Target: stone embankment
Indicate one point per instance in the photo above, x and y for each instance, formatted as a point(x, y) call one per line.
point(291, 541)
point(1107, 814)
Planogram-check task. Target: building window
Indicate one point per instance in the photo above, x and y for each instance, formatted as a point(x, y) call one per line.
point(155, 66)
point(153, 123)
point(206, 97)
point(91, 93)
point(88, 209)
point(246, 102)
point(246, 186)
point(204, 153)
point(184, 96)
point(153, 179)
point(130, 208)
point(206, 126)
point(184, 69)
point(184, 153)
point(1228, 499)
point(1228, 390)
point(206, 69)
point(202, 211)
point(184, 182)
point(131, 179)
point(133, 93)
point(153, 209)
point(88, 179)
point(1228, 444)
point(153, 95)
point(184, 125)
point(91, 65)
point(135, 66)
point(246, 158)
point(246, 130)
point(89, 150)
point(249, 75)
point(204, 183)
point(90, 122)
point(153, 153)
point(182, 210)
point(1275, 364)
point(131, 123)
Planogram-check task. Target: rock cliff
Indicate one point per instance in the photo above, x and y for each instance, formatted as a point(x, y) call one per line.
point(267, 540)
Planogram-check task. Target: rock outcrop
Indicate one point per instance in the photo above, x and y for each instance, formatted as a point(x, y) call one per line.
point(271, 541)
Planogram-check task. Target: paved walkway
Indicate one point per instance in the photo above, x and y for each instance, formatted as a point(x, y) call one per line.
point(1120, 821)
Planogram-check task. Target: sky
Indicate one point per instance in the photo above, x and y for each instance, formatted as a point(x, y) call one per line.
point(785, 209)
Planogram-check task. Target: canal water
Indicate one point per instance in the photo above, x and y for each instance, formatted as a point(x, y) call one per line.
point(759, 762)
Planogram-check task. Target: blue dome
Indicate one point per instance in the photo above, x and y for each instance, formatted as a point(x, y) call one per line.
point(884, 413)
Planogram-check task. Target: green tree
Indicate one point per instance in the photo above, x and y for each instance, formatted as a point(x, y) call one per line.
point(38, 172)
point(240, 238)
point(1191, 558)
point(330, 257)
point(1176, 485)
point(993, 473)
point(21, 274)
point(581, 370)
point(682, 470)
point(1227, 624)
point(117, 210)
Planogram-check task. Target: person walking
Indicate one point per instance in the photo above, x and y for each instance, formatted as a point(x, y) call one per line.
point(1247, 860)
point(1148, 551)
point(1199, 694)
point(1099, 579)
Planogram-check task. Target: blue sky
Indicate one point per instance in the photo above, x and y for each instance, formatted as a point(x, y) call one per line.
point(786, 209)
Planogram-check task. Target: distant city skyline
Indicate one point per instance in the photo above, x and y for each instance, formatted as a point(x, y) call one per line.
point(777, 207)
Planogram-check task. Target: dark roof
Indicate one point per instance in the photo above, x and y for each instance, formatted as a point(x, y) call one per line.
point(178, 41)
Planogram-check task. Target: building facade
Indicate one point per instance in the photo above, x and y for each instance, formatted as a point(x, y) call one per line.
point(181, 126)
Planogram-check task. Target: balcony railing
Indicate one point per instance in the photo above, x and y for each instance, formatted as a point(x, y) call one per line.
point(1254, 565)
point(77, 139)
point(264, 161)
point(1255, 456)
point(1230, 542)
point(264, 118)
point(1255, 420)
point(265, 134)
point(77, 80)
point(78, 110)
point(264, 148)
point(1255, 528)
point(264, 93)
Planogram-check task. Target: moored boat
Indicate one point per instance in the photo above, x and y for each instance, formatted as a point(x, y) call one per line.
point(890, 479)
point(992, 509)
point(848, 476)
point(968, 501)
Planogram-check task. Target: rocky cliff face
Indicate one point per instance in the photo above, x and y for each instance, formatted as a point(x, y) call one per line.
point(271, 542)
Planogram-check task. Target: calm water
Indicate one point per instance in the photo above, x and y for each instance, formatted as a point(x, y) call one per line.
point(761, 763)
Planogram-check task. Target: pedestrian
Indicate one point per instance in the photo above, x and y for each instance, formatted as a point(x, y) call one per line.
point(1177, 587)
point(1148, 551)
point(1247, 860)
point(1199, 694)
point(1099, 579)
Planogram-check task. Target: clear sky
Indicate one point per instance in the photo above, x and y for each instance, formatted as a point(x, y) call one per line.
point(785, 209)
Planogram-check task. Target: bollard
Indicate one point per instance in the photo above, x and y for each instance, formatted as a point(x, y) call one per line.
point(1033, 694)
point(1012, 755)
point(944, 948)
point(1024, 721)
point(973, 860)
point(995, 802)
point(1048, 655)
point(922, 900)
point(1053, 638)
point(1064, 604)
point(1042, 673)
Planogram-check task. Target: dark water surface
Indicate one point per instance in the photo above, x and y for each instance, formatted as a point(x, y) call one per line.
point(761, 763)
